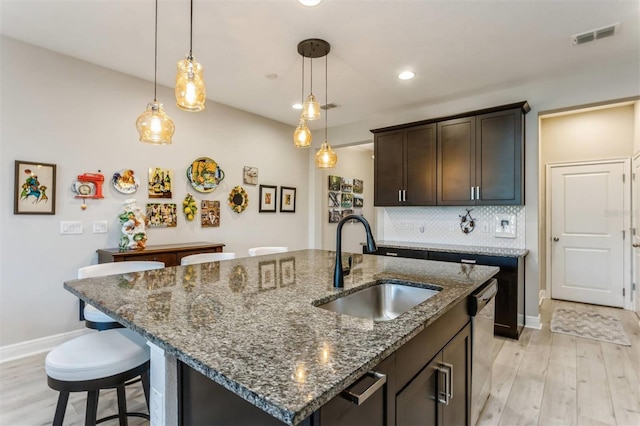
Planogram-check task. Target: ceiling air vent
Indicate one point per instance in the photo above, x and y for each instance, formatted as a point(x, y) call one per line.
point(329, 106)
point(596, 34)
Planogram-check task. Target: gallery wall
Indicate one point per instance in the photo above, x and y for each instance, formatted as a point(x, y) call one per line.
point(81, 117)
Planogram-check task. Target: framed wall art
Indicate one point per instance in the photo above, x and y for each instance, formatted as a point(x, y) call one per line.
point(334, 183)
point(268, 196)
point(358, 186)
point(162, 215)
point(250, 175)
point(287, 199)
point(34, 188)
point(160, 182)
point(210, 213)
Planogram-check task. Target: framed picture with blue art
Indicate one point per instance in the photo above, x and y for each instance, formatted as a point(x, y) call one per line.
point(34, 188)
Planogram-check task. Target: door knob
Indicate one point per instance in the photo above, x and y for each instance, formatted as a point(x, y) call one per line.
point(556, 239)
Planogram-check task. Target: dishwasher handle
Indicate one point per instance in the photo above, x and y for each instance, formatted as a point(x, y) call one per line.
point(481, 297)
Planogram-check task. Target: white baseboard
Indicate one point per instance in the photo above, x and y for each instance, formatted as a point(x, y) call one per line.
point(533, 322)
point(43, 344)
point(542, 294)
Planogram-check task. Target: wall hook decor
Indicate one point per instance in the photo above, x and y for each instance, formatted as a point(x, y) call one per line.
point(467, 223)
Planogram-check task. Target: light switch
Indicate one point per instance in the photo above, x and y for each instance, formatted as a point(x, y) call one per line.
point(100, 226)
point(70, 227)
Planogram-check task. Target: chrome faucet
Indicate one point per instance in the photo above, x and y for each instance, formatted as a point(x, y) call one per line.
point(339, 272)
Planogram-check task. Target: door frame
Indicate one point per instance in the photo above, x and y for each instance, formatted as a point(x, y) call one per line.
point(627, 261)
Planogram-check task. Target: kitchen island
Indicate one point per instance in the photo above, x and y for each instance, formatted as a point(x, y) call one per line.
point(252, 325)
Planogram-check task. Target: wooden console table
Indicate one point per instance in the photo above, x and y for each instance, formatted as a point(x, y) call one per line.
point(170, 254)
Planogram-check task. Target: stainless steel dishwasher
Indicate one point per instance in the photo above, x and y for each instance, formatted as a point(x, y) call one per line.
point(482, 311)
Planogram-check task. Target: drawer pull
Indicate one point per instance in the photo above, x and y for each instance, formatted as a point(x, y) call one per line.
point(467, 261)
point(390, 253)
point(446, 372)
point(360, 399)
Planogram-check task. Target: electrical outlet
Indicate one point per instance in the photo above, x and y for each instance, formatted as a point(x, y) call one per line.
point(70, 227)
point(100, 226)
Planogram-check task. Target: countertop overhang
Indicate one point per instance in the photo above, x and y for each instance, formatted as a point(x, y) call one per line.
point(250, 324)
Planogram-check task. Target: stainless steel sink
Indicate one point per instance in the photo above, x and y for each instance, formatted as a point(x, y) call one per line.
point(380, 302)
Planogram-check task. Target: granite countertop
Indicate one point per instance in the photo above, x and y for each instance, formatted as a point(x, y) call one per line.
point(250, 324)
point(451, 248)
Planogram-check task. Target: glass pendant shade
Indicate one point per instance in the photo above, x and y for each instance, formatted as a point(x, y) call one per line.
point(154, 125)
point(191, 92)
point(311, 108)
point(325, 157)
point(302, 135)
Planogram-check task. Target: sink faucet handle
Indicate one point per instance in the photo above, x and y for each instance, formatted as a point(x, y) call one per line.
point(347, 270)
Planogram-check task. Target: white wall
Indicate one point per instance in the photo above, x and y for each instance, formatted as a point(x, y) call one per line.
point(56, 109)
point(575, 87)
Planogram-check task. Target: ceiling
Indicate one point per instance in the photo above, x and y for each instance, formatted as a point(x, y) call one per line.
point(248, 48)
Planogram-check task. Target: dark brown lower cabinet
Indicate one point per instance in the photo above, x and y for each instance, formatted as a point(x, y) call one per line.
point(427, 381)
point(440, 393)
point(376, 409)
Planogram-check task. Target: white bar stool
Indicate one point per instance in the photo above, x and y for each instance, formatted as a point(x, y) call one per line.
point(206, 257)
point(259, 251)
point(95, 361)
point(93, 318)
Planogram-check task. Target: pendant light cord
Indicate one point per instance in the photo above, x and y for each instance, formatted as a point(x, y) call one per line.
point(326, 91)
point(155, 64)
point(191, 31)
point(311, 84)
point(302, 95)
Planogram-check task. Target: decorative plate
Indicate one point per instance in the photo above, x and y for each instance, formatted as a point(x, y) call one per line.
point(238, 199)
point(125, 181)
point(204, 174)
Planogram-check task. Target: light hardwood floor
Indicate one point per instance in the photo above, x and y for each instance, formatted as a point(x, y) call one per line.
point(548, 378)
point(542, 379)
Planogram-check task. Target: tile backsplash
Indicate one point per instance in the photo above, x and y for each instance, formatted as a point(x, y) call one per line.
point(441, 225)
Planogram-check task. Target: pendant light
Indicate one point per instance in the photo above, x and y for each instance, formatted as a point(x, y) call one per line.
point(312, 48)
point(154, 125)
point(326, 158)
point(302, 135)
point(191, 92)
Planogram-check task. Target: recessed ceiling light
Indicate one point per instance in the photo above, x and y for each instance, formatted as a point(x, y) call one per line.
point(296, 106)
point(309, 2)
point(406, 75)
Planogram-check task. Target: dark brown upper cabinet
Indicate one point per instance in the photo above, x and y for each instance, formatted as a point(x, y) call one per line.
point(405, 167)
point(475, 158)
point(481, 159)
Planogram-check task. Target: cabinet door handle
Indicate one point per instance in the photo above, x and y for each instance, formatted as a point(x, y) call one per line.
point(635, 245)
point(467, 261)
point(400, 195)
point(446, 373)
point(556, 239)
point(477, 192)
point(359, 399)
point(472, 194)
point(404, 195)
point(390, 253)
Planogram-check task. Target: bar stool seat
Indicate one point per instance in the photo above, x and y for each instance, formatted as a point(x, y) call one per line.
point(93, 315)
point(95, 361)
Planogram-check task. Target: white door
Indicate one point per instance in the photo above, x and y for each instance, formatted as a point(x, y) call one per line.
point(587, 223)
point(635, 199)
